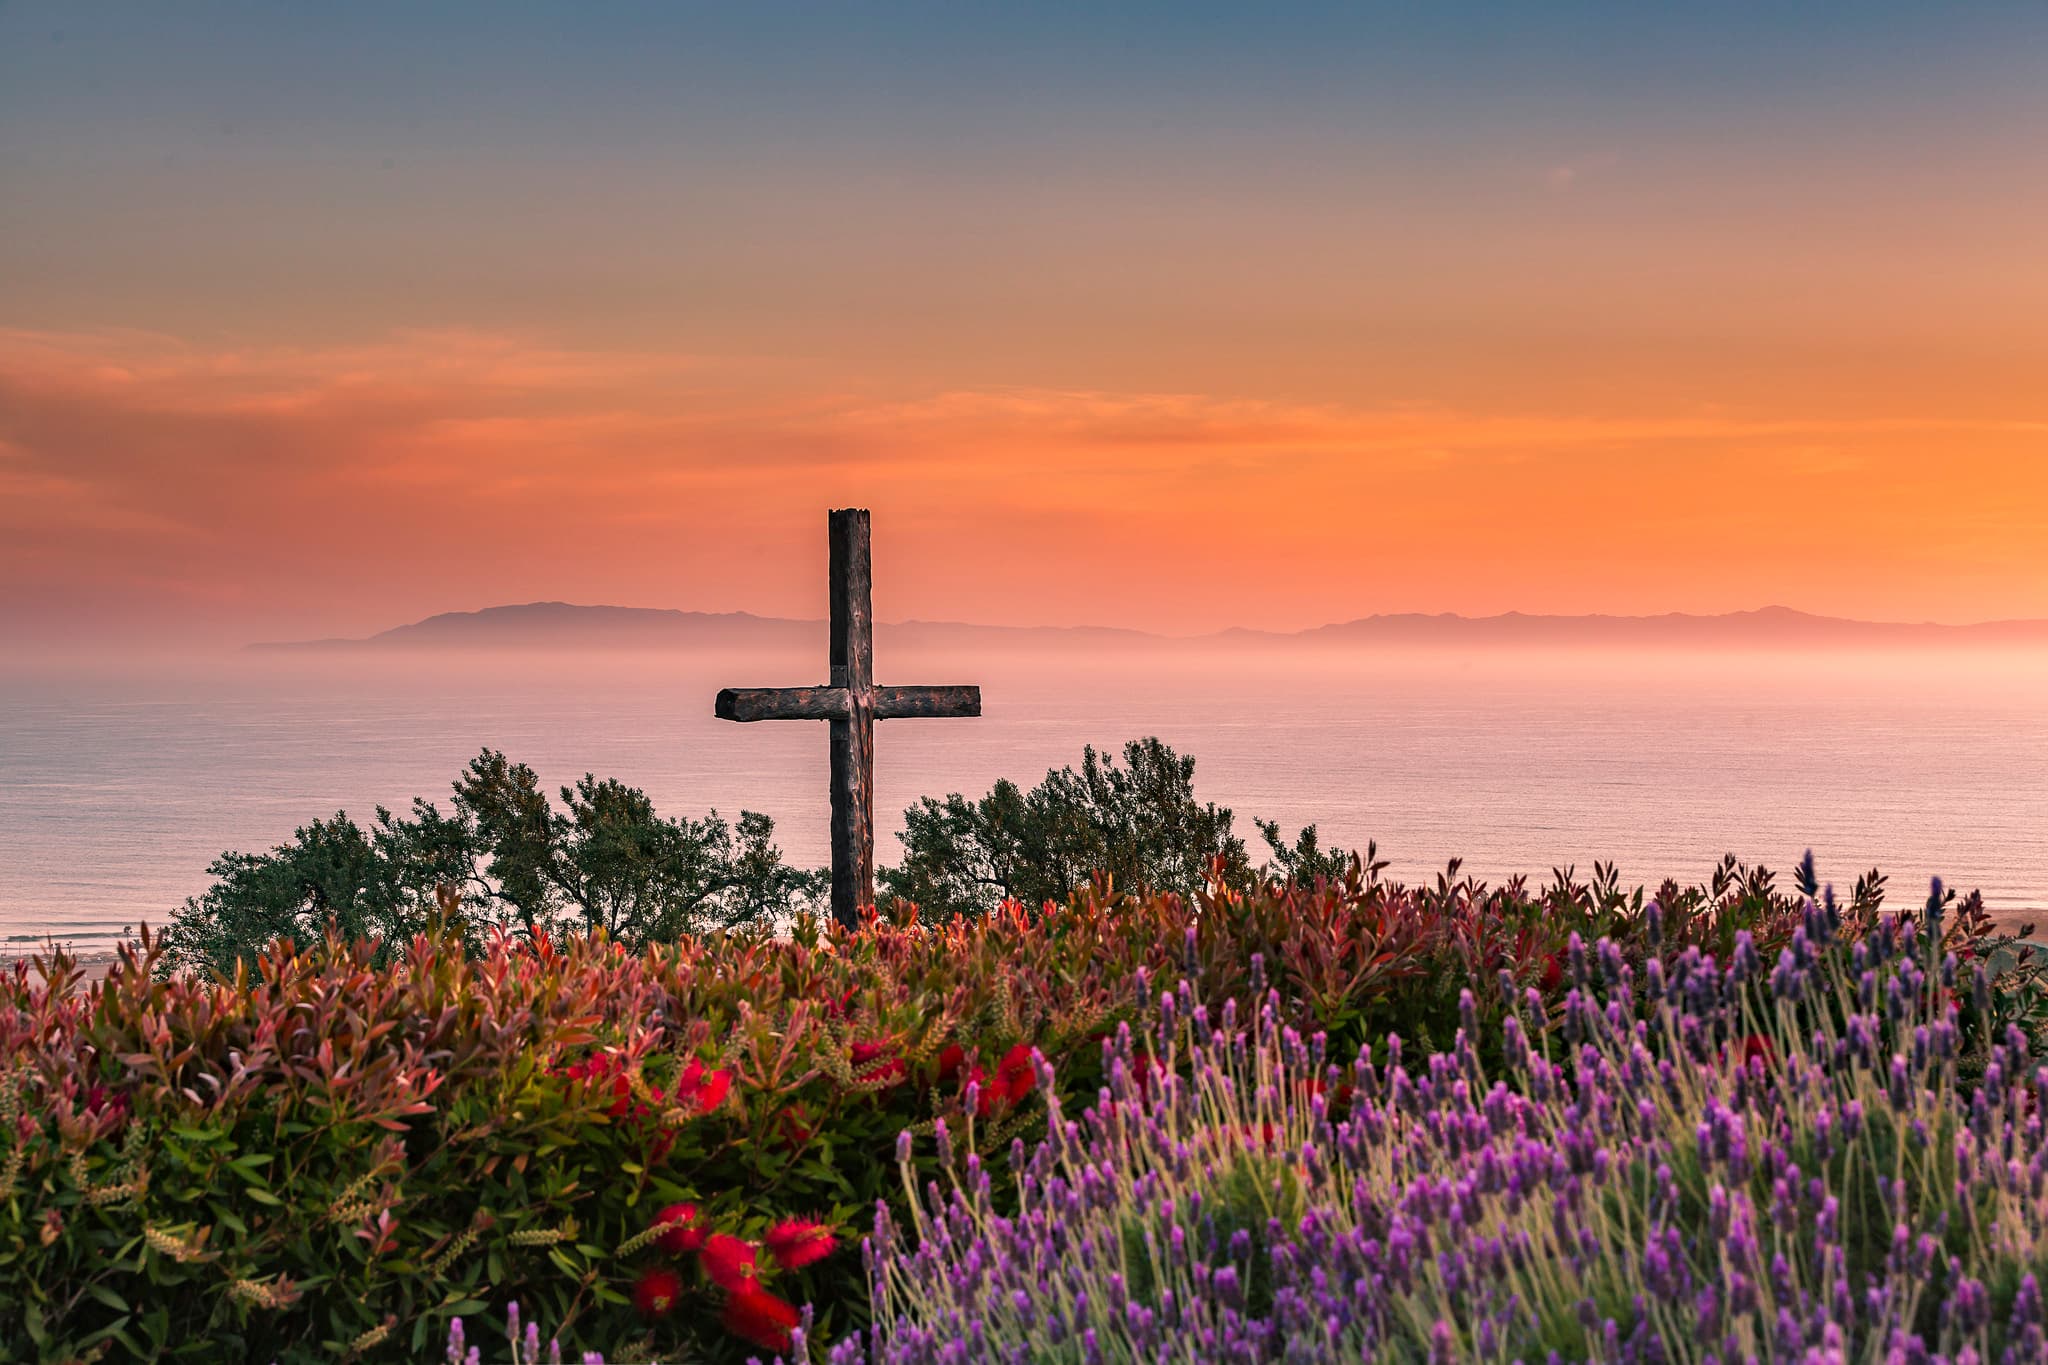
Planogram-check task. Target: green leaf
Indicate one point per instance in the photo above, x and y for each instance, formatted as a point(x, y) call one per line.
point(110, 1299)
point(113, 1329)
point(263, 1196)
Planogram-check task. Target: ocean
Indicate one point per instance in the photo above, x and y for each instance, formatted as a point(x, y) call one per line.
point(119, 783)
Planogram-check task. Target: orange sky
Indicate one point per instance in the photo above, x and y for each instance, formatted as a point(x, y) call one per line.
point(347, 488)
point(1224, 332)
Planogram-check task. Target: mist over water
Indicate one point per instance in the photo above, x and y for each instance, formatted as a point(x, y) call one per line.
point(119, 783)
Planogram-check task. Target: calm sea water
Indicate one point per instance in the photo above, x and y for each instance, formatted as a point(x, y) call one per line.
point(118, 785)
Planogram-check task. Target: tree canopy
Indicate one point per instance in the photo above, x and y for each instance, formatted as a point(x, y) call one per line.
point(598, 856)
point(504, 854)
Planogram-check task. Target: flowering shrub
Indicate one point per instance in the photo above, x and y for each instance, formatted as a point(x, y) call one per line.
point(339, 1152)
point(323, 1160)
point(1713, 1160)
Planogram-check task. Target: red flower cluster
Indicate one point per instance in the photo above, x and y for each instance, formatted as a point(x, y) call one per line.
point(733, 1264)
point(1015, 1077)
point(698, 1089)
point(702, 1090)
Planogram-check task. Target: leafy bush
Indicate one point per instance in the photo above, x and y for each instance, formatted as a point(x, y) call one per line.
point(502, 856)
point(1139, 824)
point(1734, 1161)
point(335, 1152)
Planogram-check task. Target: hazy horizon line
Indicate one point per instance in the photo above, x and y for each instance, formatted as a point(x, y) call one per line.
point(1771, 613)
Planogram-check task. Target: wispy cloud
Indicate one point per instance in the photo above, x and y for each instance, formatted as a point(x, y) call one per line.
point(459, 466)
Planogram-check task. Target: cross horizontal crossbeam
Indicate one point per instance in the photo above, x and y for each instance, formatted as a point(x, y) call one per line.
point(834, 703)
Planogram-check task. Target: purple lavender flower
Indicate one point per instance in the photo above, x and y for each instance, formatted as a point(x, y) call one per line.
point(1700, 1158)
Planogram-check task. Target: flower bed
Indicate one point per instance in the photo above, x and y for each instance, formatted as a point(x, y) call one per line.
point(1709, 1164)
point(669, 1151)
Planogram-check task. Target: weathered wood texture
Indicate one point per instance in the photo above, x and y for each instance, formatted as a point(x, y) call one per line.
point(852, 703)
point(853, 739)
point(782, 703)
point(912, 703)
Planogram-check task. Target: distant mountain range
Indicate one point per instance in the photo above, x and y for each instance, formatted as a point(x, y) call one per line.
point(556, 625)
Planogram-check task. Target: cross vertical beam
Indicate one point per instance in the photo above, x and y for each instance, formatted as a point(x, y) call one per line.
point(853, 735)
point(851, 703)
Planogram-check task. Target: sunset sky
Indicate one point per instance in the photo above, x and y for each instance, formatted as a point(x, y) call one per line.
point(319, 318)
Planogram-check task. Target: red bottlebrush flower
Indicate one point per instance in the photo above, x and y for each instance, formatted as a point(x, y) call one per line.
point(683, 1235)
point(656, 1292)
point(717, 1086)
point(1015, 1077)
point(702, 1090)
point(951, 1059)
point(1756, 1048)
point(729, 1262)
point(796, 1242)
point(1553, 971)
point(761, 1318)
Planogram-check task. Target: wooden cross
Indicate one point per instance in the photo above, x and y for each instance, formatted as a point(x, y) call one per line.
point(852, 703)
